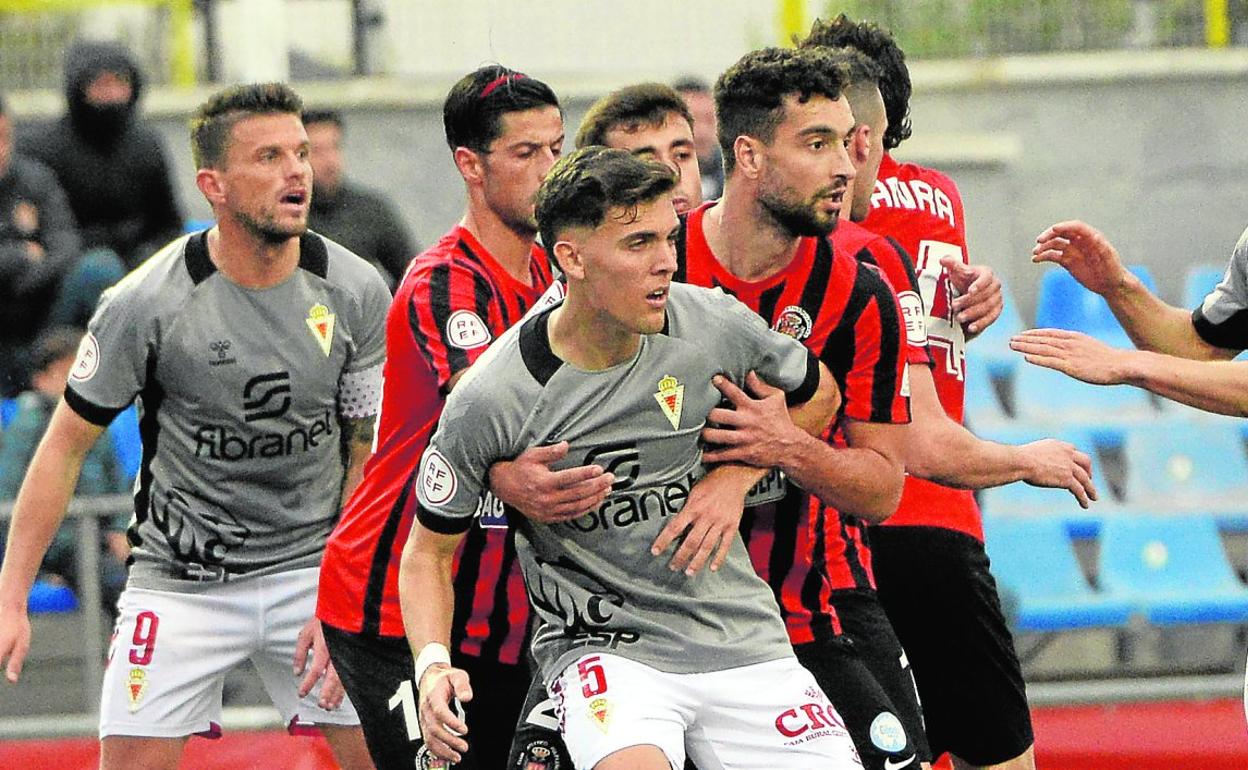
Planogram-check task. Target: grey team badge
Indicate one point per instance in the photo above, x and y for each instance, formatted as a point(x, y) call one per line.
point(795, 322)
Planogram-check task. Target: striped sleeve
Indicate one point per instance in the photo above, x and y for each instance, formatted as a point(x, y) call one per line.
point(874, 385)
point(453, 314)
point(898, 269)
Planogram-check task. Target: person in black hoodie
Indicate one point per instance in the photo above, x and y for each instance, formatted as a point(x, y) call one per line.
point(111, 164)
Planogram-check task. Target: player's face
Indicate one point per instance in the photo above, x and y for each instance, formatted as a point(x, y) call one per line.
point(807, 170)
point(516, 163)
point(702, 107)
point(325, 139)
point(672, 144)
point(629, 260)
point(267, 178)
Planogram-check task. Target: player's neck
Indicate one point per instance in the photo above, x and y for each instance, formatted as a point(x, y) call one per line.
point(248, 260)
point(745, 239)
point(587, 339)
point(509, 248)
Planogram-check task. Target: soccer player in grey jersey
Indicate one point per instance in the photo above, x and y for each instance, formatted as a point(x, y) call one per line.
point(644, 662)
point(254, 349)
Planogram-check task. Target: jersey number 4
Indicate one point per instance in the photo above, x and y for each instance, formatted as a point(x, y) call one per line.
point(943, 330)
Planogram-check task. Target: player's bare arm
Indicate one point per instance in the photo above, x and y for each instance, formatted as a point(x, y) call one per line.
point(357, 440)
point(863, 479)
point(1151, 323)
point(1214, 386)
point(37, 514)
point(980, 299)
point(940, 449)
point(428, 601)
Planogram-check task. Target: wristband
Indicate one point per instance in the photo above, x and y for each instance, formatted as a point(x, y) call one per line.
point(433, 652)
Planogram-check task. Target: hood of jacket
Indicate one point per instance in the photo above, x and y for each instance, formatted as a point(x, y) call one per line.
point(84, 61)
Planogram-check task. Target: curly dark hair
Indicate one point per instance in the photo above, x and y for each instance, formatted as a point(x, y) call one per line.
point(472, 115)
point(630, 108)
point(877, 43)
point(749, 96)
point(212, 122)
point(584, 186)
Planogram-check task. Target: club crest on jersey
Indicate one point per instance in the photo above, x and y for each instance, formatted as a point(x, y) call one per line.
point(539, 755)
point(795, 322)
point(671, 398)
point(136, 687)
point(600, 713)
point(321, 322)
point(466, 330)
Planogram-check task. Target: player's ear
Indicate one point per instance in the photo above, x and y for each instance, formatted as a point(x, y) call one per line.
point(748, 152)
point(569, 258)
point(209, 182)
point(469, 163)
point(860, 144)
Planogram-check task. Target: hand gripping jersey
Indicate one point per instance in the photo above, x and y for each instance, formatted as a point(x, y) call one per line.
point(593, 581)
point(922, 210)
point(1222, 319)
point(240, 391)
point(451, 305)
point(845, 313)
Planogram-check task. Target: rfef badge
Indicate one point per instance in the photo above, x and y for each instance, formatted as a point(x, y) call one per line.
point(671, 398)
point(321, 322)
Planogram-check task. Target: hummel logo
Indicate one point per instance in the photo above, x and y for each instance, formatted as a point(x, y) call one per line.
point(266, 395)
point(222, 349)
point(890, 764)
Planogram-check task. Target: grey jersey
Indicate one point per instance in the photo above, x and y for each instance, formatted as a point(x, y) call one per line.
point(593, 581)
point(1222, 319)
point(240, 391)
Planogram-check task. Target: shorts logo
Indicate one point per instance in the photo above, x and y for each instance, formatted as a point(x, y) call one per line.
point(88, 361)
point(671, 398)
point(538, 755)
point(916, 320)
point(266, 396)
point(600, 713)
point(887, 733)
point(438, 481)
point(466, 330)
point(222, 349)
point(425, 760)
point(795, 322)
point(136, 687)
point(321, 322)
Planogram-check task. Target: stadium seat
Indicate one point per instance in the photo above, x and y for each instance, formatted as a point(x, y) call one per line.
point(1023, 499)
point(982, 406)
point(8, 410)
point(1200, 280)
point(124, 433)
point(1047, 397)
point(1172, 567)
point(1032, 557)
point(1062, 303)
point(992, 346)
point(1184, 464)
point(51, 597)
point(195, 225)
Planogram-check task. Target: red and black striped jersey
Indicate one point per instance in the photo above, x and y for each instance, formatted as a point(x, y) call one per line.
point(922, 210)
point(846, 314)
point(454, 300)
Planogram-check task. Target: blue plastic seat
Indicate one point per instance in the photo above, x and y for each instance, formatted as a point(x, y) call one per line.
point(1186, 464)
point(982, 406)
point(1172, 567)
point(127, 444)
point(1200, 280)
point(51, 597)
point(1048, 397)
point(1062, 303)
point(1020, 498)
point(8, 410)
point(1033, 558)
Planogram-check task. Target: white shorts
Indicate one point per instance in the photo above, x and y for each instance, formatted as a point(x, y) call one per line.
point(765, 716)
point(171, 651)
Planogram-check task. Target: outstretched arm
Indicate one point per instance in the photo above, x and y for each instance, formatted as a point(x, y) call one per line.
point(1214, 386)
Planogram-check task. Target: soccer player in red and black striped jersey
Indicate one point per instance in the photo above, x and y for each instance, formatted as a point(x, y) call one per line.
point(928, 560)
point(505, 131)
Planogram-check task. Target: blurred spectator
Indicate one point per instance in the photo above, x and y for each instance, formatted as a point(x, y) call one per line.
point(111, 165)
point(701, 103)
point(52, 356)
point(362, 220)
point(38, 247)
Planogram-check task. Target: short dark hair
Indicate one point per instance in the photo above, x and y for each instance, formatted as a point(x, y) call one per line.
point(54, 344)
point(213, 121)
point(691, 83)
point(472, 114)
point(322, 115)
point(749, 96)
point(629, 108)
point(877, 43)
point(584, 186)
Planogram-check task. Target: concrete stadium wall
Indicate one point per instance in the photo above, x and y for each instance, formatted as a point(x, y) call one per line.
point(1149, 147)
